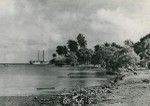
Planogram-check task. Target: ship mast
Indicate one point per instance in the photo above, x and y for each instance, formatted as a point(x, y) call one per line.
point(43, 55)
point(38, 56)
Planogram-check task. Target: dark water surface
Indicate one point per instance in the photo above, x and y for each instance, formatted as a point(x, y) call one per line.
point(25, 79)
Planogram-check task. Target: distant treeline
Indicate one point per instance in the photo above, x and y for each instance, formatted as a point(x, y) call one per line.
point(110, 56)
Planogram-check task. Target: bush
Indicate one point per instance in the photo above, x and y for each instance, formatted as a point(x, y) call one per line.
point(112, 58)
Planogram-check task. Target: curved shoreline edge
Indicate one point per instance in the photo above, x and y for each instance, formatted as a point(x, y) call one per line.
point(132, 90)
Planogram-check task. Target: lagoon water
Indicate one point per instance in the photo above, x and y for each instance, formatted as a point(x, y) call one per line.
point(25, 79)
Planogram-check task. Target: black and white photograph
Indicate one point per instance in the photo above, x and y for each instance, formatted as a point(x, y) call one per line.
point(74, 53)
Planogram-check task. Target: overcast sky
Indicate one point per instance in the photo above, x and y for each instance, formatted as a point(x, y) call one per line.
point(30, 25)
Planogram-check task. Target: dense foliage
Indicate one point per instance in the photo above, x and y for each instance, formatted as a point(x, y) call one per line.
point(110, 56)
point(62, 50)
point(113, 57)
point(72, 45)
point(71, 59)
point(142, 48)
point(84, 55)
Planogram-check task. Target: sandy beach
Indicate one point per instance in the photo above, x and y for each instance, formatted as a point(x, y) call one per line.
point(134, 90)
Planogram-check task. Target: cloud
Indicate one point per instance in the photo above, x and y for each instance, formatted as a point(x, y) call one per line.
point(6, 7)
point(115, 24)
point(29, 25)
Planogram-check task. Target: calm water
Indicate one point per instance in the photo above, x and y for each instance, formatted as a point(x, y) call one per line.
point(25, 79)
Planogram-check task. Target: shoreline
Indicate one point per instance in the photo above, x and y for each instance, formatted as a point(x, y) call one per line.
point(132, 90)
point(36, 100)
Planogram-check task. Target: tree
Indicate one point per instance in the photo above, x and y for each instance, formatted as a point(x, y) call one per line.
point(112, 58)
point(96, 48)
point(104, 53)
point(54, 55)
point(129, 43)
point(126, 57)
point(71, 59)
point(143, 44)
point(72, 45)
point(142, 48)
point(81, 40)
point(54, 58)
point(116, 45)
point(84, 55)
point(145, 37)
point(97, 59)
point(62, 50)
point(107, 44)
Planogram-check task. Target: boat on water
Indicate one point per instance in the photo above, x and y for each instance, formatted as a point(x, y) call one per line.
point(39, 62)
